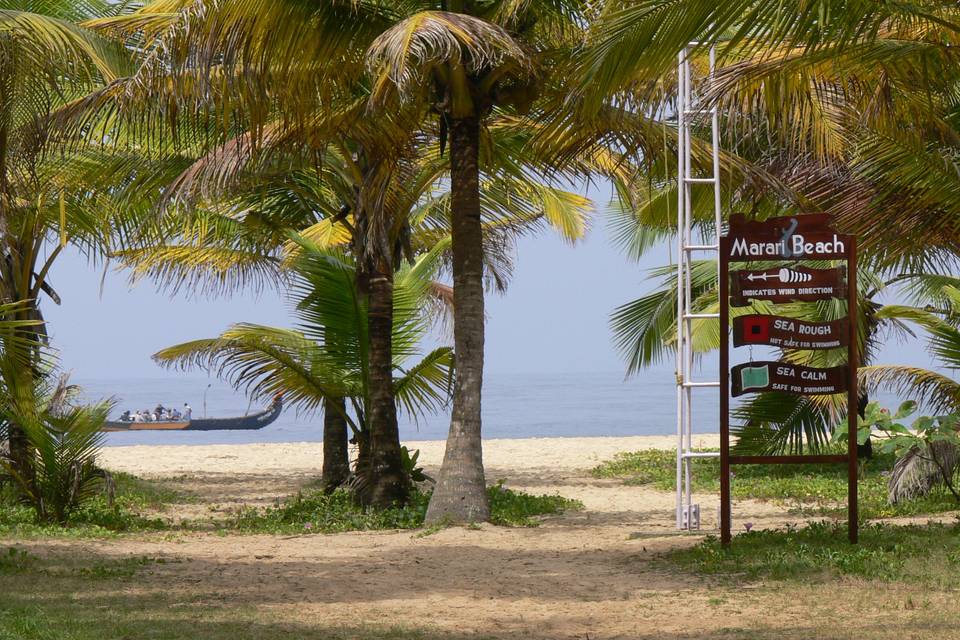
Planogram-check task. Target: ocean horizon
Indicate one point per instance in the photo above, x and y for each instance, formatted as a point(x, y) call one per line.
point(515, 405)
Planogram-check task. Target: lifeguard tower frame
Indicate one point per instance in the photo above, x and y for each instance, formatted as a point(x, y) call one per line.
point(692, 113)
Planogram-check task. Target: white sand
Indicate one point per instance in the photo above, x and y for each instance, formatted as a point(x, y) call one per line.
point(305, 457)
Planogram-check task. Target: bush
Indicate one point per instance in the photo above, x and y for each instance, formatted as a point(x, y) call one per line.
point(518, 509)
point(316, 512)
point(96, 517)
point(64, 441)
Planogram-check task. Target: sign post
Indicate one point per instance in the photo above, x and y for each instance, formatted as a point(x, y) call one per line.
point(786, 240)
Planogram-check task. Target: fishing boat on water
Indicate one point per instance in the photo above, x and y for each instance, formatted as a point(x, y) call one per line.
point(249, 422)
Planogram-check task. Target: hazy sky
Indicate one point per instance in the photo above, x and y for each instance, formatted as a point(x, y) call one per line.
point(554, 317)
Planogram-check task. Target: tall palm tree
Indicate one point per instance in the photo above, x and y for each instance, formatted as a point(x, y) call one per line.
point(465, 60)
point(286, 69)
point(462, 60)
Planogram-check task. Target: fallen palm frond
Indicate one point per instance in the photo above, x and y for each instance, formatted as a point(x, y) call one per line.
point(921, 470)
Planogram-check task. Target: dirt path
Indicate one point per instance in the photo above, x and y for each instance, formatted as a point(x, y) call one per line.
point(596, 574)
point(591, 574)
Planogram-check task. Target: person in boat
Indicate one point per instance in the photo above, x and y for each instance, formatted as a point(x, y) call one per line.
point(126, 417)
point(187, 412)
point(175, 415)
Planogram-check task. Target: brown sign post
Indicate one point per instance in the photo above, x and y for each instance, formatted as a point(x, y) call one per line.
point(787, 240)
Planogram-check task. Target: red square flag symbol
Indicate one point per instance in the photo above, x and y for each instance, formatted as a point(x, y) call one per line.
point(756, 329)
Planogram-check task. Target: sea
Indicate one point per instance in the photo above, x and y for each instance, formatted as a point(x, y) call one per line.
point(515, 405)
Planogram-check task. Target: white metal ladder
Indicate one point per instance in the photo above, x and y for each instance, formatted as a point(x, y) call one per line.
point(690, 113)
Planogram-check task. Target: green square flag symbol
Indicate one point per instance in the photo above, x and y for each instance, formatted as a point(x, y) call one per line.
point(754, 377)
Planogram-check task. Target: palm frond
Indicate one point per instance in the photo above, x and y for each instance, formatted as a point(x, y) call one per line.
point(426, 386)
point(265, 361)
point(917, 473)
point(407, 54)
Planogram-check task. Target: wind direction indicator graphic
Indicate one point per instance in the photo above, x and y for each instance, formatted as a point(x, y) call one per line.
point(787, 276)
point(791, 276)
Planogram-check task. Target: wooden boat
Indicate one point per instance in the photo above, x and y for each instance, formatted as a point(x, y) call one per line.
point(250, 422)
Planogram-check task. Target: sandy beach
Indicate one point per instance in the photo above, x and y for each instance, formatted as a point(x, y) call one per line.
point(297, 458)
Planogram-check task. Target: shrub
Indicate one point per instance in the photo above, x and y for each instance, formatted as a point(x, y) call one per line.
point(65, 442)
point(317, 512)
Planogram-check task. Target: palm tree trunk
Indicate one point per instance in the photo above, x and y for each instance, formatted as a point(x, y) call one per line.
point(460, 494)
point(20, 450)
point(21, 454)
point(388, 482)
point(336, 458)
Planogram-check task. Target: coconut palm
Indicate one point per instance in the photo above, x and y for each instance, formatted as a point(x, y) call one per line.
point(285, 70)
point(241, 238)
point(818, 103)
point(465, 60)
point(47, 195)
point(817, 99)
point(326, 360)
point(460, 60)
point(63, 439)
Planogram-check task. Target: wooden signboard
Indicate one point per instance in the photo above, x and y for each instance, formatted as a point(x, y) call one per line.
point(786, 241)
point(788, 333)
point(787, 284)
point(758, 377)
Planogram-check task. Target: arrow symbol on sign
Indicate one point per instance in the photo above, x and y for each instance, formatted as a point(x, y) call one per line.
point(757, 276)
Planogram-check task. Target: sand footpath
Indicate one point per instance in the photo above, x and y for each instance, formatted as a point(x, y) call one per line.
point(592, 574)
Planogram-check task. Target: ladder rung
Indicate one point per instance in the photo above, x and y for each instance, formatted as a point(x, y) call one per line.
point(695, 385)
point(700, 454)
point(699, 112)
point(700, 180)
point(694, 316)
point(701, 247)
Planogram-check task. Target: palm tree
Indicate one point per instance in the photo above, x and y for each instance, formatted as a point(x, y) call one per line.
point(47, 194)
point(816, 97)
point(462, 60)
point(241, 237)
point(816, 102)
point(308, 63)
point(465, 60)
point(327, 360)
point(60, 471)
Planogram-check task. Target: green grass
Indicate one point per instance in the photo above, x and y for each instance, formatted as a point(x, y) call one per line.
point(316, 512)
point(811, 490)
point(922, 554)
point(89, 597)
point(136, 493)
point(138, 503)
point(134, 501)
point(16, 561)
